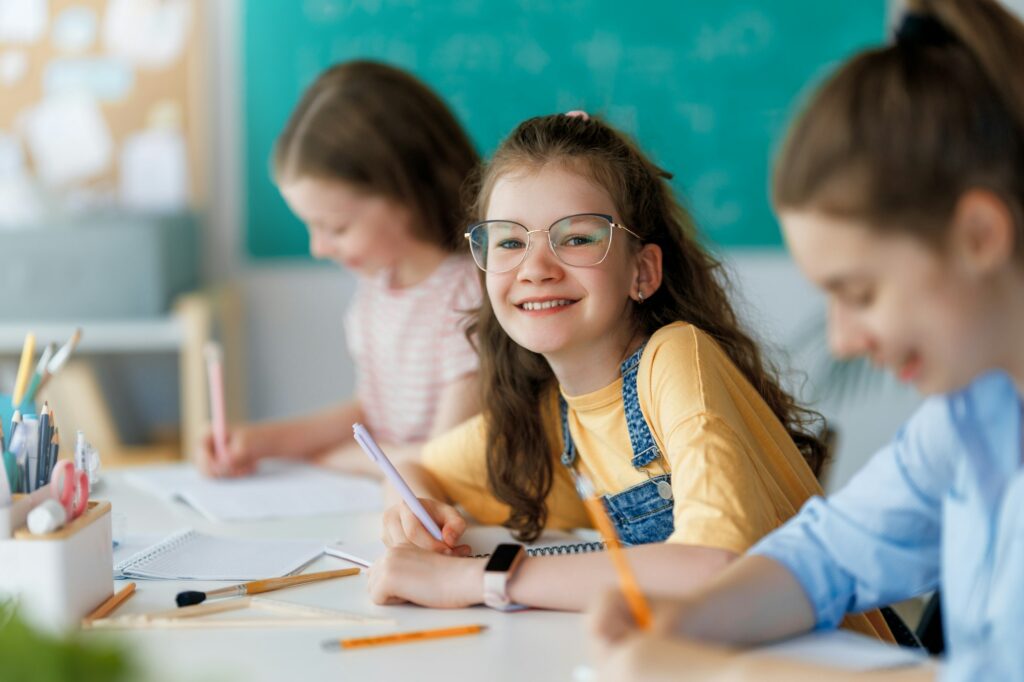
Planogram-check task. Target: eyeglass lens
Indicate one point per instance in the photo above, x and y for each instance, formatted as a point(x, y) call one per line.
point(581, 241)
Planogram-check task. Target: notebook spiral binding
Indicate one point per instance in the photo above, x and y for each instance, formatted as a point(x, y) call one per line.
point(146, 555)
point(558, 550)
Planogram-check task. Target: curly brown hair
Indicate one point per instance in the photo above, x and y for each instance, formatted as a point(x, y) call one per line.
point(520, 467)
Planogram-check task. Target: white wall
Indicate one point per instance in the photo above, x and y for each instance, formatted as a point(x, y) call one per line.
point(296, 353)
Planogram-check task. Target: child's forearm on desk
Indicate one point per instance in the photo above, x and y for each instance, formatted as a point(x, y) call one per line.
point(572, 582)
point(318, 434)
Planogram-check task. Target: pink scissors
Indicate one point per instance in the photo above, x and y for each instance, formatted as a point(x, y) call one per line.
point(70, 487)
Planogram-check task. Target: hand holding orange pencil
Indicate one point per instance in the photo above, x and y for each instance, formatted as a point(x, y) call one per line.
point(631, 590)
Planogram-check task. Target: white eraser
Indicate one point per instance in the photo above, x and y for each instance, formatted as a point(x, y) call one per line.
point(46, 517)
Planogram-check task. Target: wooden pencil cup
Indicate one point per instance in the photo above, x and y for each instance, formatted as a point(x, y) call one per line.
point(59, 577)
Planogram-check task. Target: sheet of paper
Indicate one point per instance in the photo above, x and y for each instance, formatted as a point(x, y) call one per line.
point(154, 171)
point(13, 67)
point(74, 29)
point(149, 33)
point(277, 490)
point(20, 203)
point(68, 138)
point(190, 555)
point(22, 21)
point(837, 649)
point(105, 78)
point(842, 649)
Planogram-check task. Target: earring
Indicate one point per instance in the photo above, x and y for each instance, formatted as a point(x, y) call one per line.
point(640, 296)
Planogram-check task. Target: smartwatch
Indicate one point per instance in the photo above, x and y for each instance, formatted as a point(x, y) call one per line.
point(500, 567)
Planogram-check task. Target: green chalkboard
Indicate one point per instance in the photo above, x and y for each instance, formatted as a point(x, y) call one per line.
point(705, 85)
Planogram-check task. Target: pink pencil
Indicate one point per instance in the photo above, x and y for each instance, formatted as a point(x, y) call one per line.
point(215, 375)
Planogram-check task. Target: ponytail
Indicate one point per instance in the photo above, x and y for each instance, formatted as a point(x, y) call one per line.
point(993, 37)
point(899, 133)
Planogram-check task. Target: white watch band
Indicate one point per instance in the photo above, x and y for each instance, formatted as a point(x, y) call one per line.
point(496, 590)
point(496, 586)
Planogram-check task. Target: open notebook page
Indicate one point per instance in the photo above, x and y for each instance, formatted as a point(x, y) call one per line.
point(276, 490)
point(190, 555)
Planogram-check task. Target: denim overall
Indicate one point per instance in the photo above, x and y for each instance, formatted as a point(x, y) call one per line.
point(642, 513)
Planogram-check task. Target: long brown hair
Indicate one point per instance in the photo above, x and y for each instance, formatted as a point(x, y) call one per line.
point(515, 380)
point(379, 128)
point(897, 134)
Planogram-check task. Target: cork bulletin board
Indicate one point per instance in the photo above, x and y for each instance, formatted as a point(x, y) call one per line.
point(101, 106)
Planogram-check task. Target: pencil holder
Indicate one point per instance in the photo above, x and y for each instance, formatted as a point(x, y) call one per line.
point(59, 577)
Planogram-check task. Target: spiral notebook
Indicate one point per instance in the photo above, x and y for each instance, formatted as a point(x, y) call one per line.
point(482, 539)
point(191, 555)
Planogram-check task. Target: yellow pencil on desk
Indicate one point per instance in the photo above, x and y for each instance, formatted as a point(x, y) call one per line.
point(634, 597)
point(107, 607)
point(403, 637)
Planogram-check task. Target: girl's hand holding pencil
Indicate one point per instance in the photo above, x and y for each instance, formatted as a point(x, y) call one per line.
point(242, 452)
point(610, 619)
point(410, 574)
point(401, 527)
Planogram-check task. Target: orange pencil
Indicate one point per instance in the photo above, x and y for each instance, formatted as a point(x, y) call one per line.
point(110, 604)
point(634, 597)
point(403, 637)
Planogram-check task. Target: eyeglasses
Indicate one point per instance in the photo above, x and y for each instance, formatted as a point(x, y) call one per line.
point(581, 240)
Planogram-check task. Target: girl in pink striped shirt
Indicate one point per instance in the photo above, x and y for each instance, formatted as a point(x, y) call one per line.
point(373, 163)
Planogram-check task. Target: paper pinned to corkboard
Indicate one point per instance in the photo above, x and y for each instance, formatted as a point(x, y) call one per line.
point(103, 98)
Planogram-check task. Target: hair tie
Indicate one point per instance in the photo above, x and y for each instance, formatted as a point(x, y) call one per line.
point(923, 30)
point(578, 113)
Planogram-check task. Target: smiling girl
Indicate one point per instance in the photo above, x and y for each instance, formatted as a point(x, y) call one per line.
point(901, 195)
point(608, 346)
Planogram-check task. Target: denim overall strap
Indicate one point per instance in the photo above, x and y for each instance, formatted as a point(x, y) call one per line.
point(642, 513)
point(568, 447)
point(644, 449)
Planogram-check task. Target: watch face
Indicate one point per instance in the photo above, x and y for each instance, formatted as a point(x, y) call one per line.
point(503, 557)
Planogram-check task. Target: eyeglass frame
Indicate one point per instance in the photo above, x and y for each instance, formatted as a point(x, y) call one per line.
point(529, 240)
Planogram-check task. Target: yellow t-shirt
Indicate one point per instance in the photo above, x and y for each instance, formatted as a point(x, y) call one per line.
point(736, 474)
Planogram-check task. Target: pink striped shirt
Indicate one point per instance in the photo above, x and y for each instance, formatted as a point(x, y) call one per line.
point(409, 344)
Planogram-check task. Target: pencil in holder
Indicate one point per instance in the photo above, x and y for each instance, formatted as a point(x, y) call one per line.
point(59, 577)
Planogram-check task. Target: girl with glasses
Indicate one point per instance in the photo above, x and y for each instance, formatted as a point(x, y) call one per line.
point(901, 194)
point(373, 162)
point(609, 348)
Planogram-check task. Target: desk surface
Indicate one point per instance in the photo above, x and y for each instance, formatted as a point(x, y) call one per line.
point(556, 640)
point(535, 645)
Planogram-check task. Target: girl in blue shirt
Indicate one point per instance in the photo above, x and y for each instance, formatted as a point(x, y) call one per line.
point(901, 194)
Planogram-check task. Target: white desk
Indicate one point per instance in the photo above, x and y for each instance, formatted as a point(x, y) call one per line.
point(531, 645)
point(555, 641)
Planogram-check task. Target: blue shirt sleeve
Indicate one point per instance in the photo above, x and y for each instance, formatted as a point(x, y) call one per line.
point(877, 540)
point(984, 640)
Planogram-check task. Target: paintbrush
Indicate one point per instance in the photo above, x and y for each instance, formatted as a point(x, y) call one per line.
point(257, 586)
point(60, 358)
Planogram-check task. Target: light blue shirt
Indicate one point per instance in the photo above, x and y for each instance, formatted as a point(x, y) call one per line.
point(942, 506)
